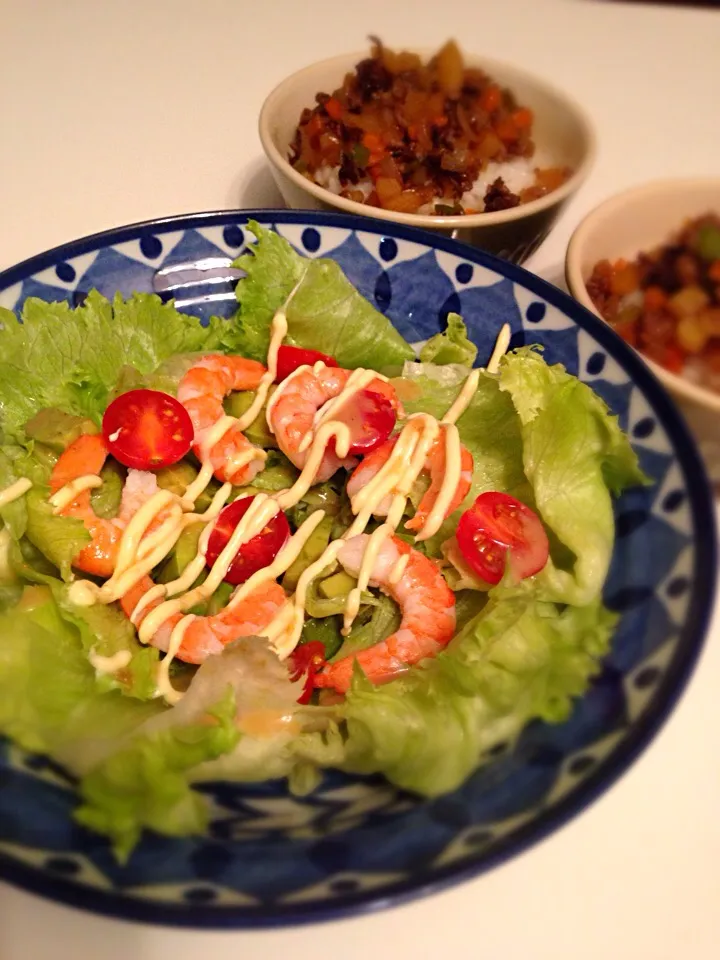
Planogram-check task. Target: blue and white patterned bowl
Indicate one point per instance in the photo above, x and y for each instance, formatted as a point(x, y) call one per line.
point(359, 844)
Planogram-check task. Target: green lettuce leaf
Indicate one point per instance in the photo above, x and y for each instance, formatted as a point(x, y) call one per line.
point(105, 631)
point(50, 701)
point(325, 312)
point(518, 659)
point(238, 720)
point(105, 500)
point(13, 515)
point(145, 785)
point(451, 346)
point(574, 454)
point(69, 358)
point(60, 539)
point(490, 429)
point(271, 271)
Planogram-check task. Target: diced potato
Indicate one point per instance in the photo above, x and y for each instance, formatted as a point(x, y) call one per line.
point(688, 301)
point(408, 201)
point(625, 279)
point(400, 61)
point(387, 189)
point(710, 320)
point(691, 334)
point(450, 69)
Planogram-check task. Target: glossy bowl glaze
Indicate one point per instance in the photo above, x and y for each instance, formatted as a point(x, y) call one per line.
point(562, 129)
point(639, 219)
point(357, 843)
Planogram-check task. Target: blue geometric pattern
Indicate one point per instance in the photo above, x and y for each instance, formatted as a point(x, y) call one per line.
point(357, 843)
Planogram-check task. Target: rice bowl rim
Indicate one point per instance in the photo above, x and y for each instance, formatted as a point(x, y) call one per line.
point(347, 61)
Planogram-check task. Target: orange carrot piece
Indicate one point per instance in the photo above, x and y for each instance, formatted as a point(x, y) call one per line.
point(334, 108)
point(491, 99)
point(522, 118)
point(714, 271)
point(655, 298)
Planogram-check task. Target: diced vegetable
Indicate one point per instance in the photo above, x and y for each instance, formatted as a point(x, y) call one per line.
point(666, 302)
point(422, 133)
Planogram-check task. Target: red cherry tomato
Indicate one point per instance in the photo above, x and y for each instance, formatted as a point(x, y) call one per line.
point(370, 417)
point(258, 552)
point(290, 358)
point(147, 429)
point(497, 528)
point(309, 659)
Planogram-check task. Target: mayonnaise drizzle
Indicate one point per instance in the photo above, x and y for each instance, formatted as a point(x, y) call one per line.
point(71, 491)
point(258, 515)
point(398, 568)
point(15, 491)
point(451, 478)
point(164, 686)
point(109, 665)
point(272, 402)
point(136, 528)
point(357, 381)
point(462, 401)
point(341, 433)
point(500, 349)
point(278, 331)
point(139, 553)
point(374, 545)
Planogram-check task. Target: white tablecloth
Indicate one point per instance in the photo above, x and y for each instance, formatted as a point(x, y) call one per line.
point(122, 110)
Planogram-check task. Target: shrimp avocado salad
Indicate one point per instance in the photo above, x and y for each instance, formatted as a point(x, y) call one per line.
point(257, 548)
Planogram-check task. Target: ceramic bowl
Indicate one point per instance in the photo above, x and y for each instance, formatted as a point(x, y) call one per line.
point(562, 129)
point(358, 843)
point(639, 219)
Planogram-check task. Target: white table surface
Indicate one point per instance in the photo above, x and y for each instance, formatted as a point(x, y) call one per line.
point(121, 110)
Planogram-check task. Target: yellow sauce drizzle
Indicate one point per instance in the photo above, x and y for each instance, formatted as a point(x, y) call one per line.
point(278, 331)
point(463, 399)
point(65, 495)
point(15, 491)
point(449, 485)
point(109, 665)
point(164, 686)
point(138, 553)
point(357, 381)
point(500, 349)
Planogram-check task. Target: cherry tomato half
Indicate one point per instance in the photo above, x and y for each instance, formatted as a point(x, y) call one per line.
point(370, 417)
point(147, 429)
point(290, 358)
point(309, 659)
point(498, 527)
point(256, 553)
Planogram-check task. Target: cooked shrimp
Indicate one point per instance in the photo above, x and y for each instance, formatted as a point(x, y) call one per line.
point(202, 391)
point(207, 636)
point(434, 465)
point(86, 456)
point(427, 605)
point(292, 415)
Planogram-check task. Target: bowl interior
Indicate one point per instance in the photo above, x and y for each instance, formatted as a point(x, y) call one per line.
point(358, 843)
point(561, 131)
point(640, 219)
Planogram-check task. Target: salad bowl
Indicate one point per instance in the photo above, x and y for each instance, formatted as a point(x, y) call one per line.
point(358, 843)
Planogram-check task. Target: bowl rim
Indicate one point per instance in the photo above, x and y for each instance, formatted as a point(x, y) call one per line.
point(692, 634)
point(427, 221)
point(606, 211)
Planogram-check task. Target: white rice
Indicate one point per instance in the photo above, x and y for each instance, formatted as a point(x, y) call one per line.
point(517, 174)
